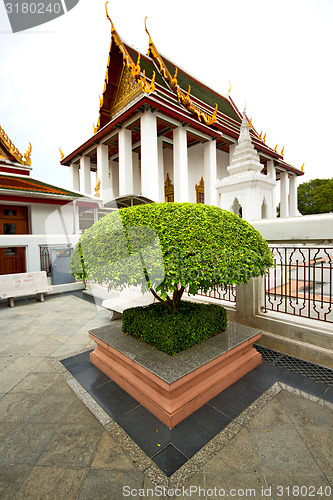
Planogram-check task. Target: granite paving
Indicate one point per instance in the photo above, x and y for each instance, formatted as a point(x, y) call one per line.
point(52, 446)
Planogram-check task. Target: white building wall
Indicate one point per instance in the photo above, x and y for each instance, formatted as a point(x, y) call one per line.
point(222, 164)
point(168, 164)
point(136, 174)
point(195, 169)
point(52, 219)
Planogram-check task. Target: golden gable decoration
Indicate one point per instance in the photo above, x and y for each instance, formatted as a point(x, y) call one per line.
point(12, 149)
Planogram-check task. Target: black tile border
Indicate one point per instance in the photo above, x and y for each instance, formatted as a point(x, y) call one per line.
point(207, 452)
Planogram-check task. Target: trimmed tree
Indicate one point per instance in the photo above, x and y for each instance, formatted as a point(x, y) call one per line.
point(168, 248)
point(315, 196)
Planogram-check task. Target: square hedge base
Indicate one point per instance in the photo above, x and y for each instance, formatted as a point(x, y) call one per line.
point(173, 387)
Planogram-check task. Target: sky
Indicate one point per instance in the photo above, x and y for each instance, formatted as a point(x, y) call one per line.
point(276, 54)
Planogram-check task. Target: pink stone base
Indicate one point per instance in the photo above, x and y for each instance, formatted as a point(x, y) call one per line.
point(172, 403)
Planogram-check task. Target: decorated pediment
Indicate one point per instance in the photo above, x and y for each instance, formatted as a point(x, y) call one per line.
point(9, 151)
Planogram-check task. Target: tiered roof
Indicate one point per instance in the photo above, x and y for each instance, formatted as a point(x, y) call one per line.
point(11, 183)
point(134, 80)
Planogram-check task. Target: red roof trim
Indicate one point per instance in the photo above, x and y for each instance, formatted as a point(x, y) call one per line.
point(32, 199)
point(14, 171)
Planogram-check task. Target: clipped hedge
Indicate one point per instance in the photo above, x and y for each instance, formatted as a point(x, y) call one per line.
point(173, 333)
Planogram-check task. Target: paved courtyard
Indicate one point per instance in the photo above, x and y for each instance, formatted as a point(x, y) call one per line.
point(53, 447)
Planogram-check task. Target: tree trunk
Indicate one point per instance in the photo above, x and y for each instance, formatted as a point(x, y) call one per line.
point(172, 305)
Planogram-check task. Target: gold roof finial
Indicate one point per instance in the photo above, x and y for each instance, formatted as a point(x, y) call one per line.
point(107, 15)
point(260, 135)
point(282, 151)
point(250, 122)
point(229, 87)
point(150, 39)
point(275, 149)
point(61, 154)
point(245, 105)
point(264, 138)
point(27, 156)
point(302, 167)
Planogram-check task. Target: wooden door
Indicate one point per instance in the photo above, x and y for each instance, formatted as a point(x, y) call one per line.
point(13, 220)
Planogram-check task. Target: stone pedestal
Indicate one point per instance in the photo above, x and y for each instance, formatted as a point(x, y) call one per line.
point(173, 387)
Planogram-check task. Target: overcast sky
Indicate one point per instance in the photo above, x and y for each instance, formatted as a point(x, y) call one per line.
point(277, 55)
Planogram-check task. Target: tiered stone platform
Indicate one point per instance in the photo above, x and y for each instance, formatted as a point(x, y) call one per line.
point(173, 387)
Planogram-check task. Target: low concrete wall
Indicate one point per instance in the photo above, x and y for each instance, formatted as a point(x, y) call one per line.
point(303, 229)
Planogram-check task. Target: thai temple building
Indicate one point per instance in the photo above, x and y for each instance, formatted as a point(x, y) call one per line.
point(161, 135)
point(34, 215)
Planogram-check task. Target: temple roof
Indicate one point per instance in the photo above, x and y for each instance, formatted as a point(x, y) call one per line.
point(32, 186)
point(134, 80)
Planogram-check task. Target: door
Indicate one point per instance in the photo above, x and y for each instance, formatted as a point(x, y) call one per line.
point(13, 220)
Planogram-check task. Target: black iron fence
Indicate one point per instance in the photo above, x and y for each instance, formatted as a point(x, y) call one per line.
point(301, 284)
point(45, 260)
point(228, 294)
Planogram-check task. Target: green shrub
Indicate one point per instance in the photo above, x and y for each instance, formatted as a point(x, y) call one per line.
point(173, 333)
point(169, 247)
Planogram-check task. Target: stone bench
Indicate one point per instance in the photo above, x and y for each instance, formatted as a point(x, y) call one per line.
point(23, 284)
point(131, 297)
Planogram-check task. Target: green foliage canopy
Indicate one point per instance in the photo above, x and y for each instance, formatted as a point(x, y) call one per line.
point(315, 196)
point(167, 247)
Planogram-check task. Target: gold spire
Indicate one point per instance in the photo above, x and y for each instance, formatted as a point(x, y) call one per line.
point(61, 154)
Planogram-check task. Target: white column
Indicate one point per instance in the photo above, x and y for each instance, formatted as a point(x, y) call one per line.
point(271, 172)
point(85, 183)
point(114, 174)
point(149, 156)
point(161, 196)
point(103, 171)
point(180, 164)
point(125, 162)
point(136, 174)
point(210, 172)
point(293, 209)
point(271, 169)
point(284, 194)
point(75, 177)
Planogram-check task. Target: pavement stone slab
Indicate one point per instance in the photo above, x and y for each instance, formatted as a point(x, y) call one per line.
point(282, 451)
point(72, 446)
point(297, 486)
point(109, 484)
point(11, 478)
point(109, 455)
point(25, 443)
point(50, 483)
point(237, 456)
point(305, 413)
point(320, 442)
